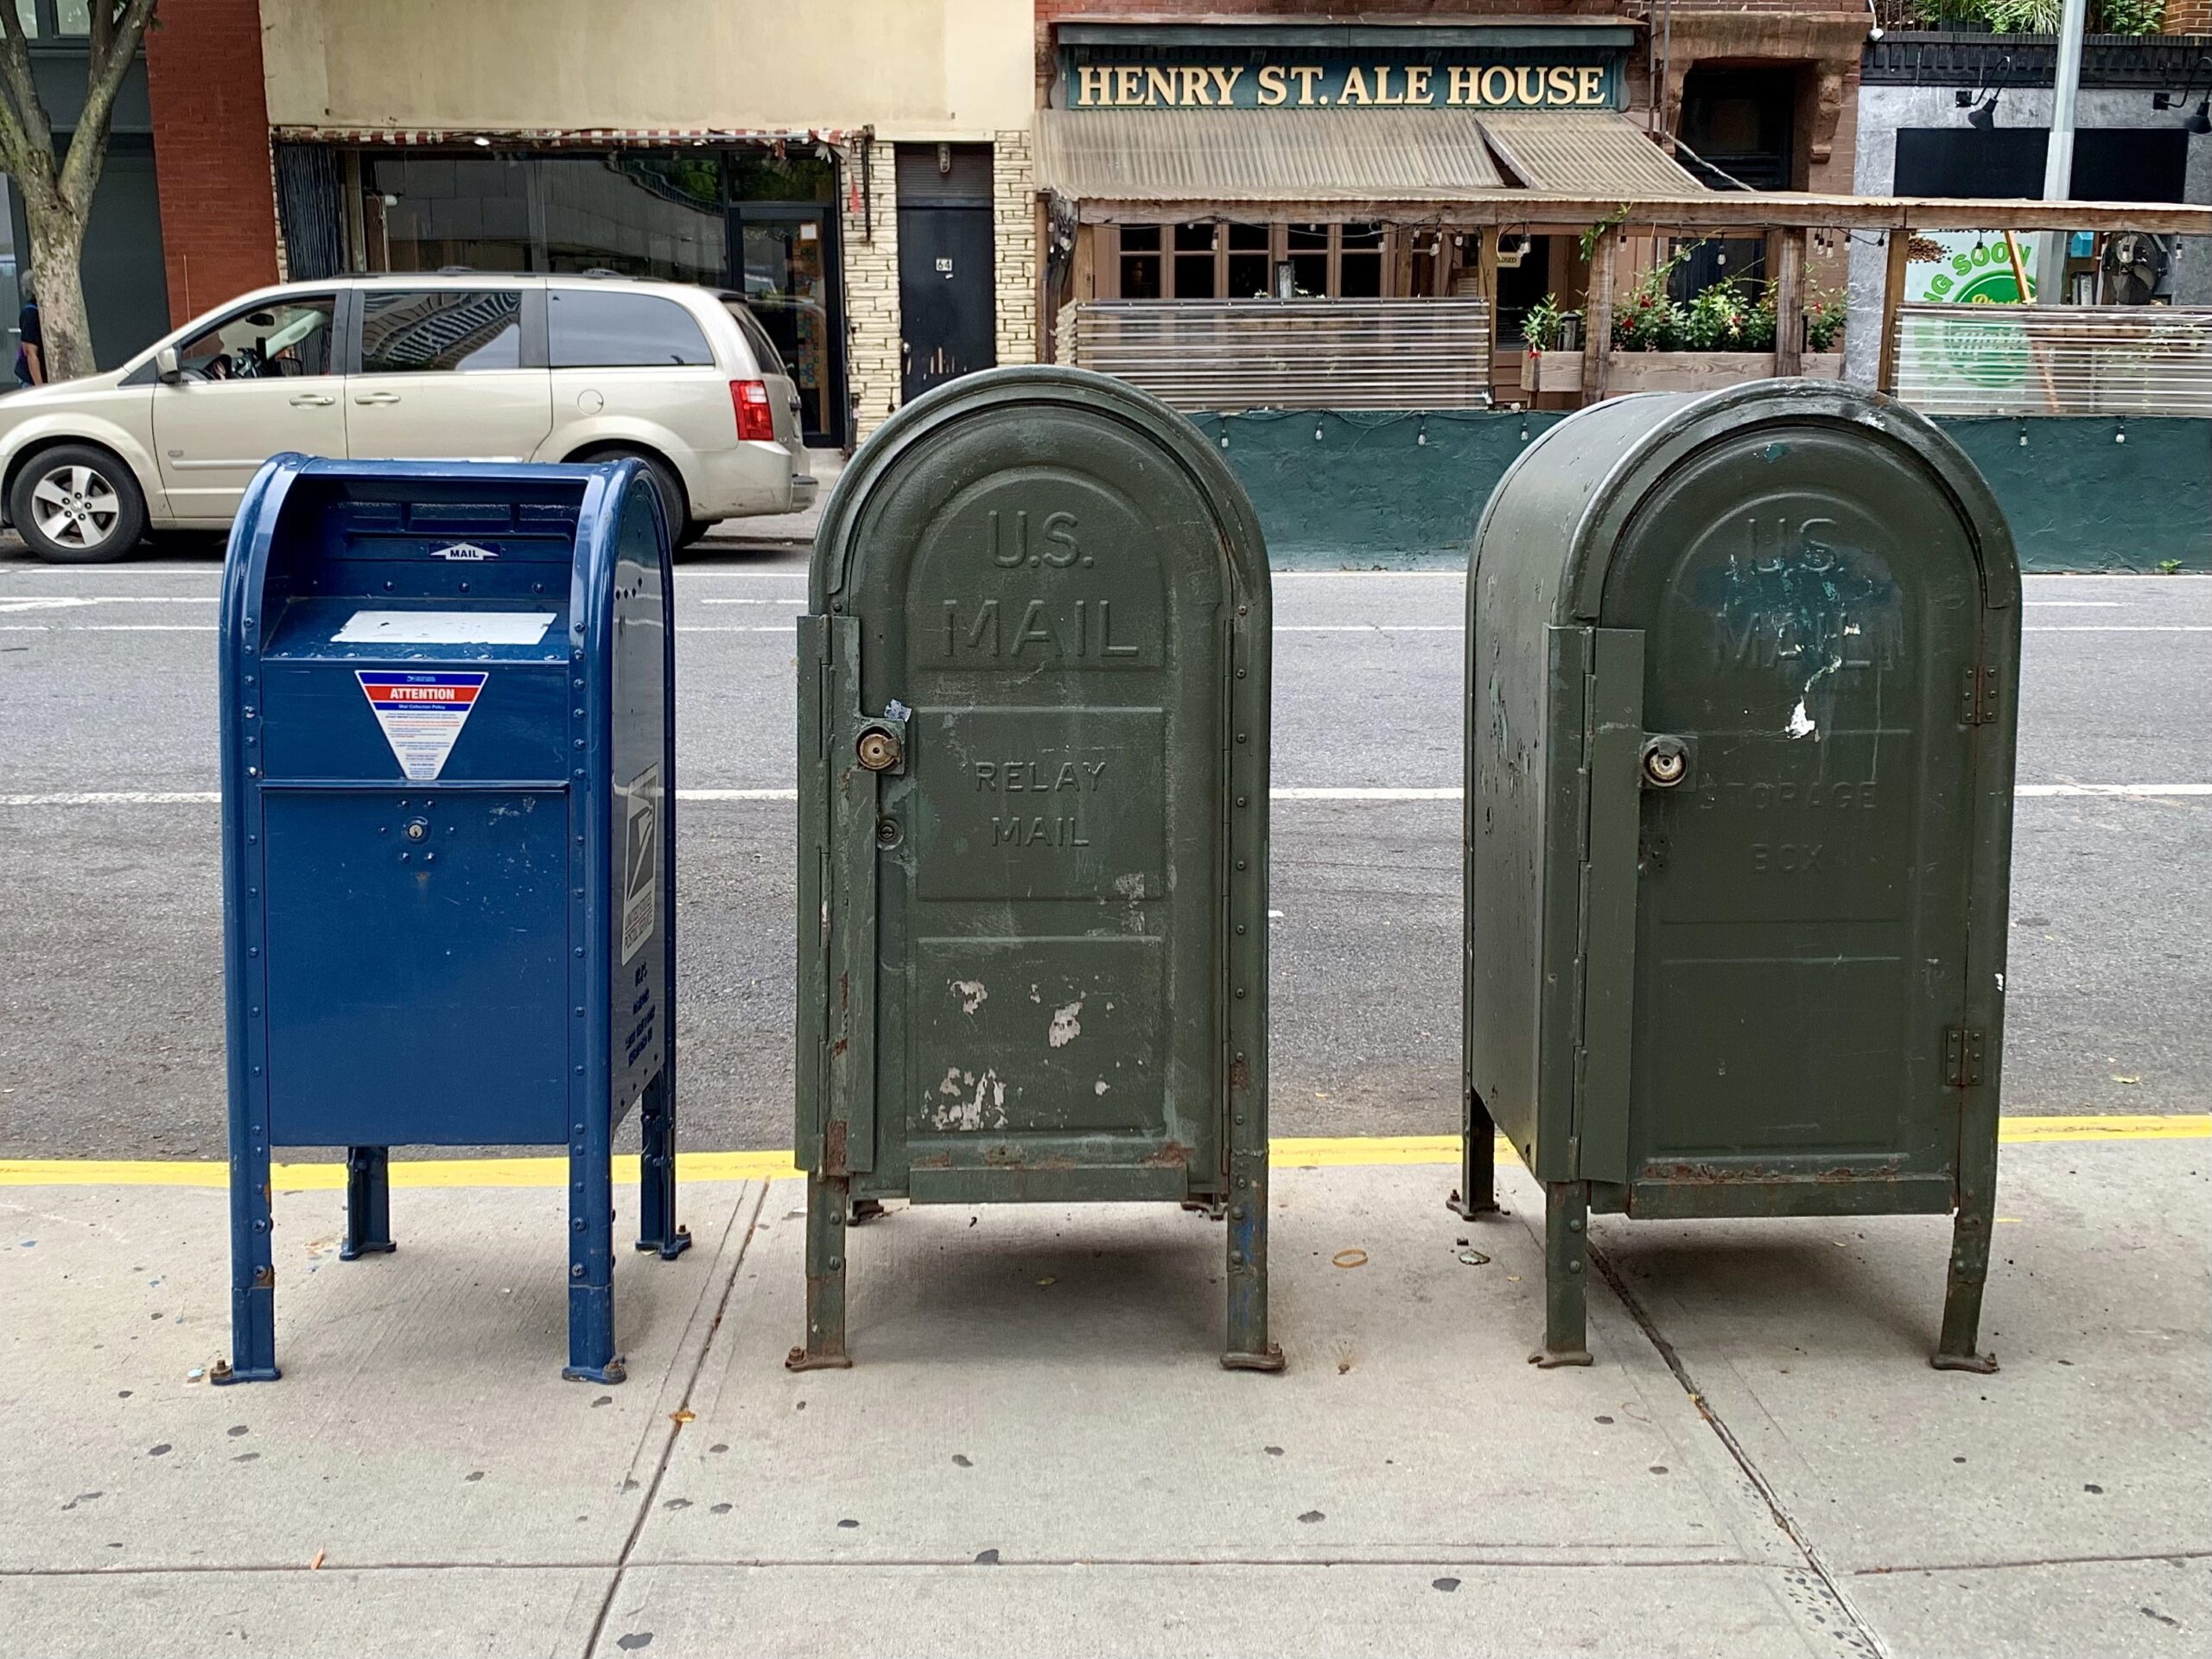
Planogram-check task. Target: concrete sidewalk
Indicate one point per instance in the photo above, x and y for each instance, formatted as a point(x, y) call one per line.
point(1036, 1454)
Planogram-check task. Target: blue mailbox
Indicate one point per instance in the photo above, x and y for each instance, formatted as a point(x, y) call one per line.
point(448, 756)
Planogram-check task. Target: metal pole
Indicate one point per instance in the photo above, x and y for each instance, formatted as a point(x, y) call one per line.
point(2058, 160)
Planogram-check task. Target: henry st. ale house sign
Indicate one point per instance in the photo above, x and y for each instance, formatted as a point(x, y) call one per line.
point(1466, 78)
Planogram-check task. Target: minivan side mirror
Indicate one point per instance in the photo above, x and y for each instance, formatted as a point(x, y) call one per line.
point(166, 366)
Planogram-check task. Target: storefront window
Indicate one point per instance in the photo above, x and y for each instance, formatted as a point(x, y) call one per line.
point(1359, 263)
point(1139, 261)
point(1195, 245)
point(642, 215)
point(423, 213)
point(763, 176)
point(1215, 259)
point(1308, 250)
point(1247, 262)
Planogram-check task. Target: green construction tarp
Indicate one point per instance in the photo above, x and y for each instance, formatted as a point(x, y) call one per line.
point(1356, 489)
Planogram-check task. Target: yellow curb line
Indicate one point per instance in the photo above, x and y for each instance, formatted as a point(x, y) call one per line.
point(1289, 1152)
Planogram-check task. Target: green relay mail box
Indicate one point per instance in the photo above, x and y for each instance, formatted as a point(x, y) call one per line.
point(1034, 826)
point(1739, 733)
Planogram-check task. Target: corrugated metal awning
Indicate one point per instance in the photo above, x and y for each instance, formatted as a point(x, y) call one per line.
point(1584, 152)
point(1227, 155)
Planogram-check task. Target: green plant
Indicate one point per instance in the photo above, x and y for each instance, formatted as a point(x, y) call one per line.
point(2015, 17)
point(1824, 321)
point(1646, 317)
point(2169, 567)
point(2128, 16)
point(1612, 222)
point(1545, 325)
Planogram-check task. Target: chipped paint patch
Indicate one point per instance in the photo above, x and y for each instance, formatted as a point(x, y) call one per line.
point(1065, 1026)
point(971, 994)
point(1100, 1087)
point(983, 1109)
point(1801, 723)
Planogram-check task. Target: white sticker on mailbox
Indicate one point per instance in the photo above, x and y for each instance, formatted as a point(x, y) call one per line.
point(641, 861)
point(445, 628)
point(421, 715)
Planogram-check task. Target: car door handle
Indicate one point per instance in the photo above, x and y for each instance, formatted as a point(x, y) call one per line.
point(313, 400)
point(376, 397)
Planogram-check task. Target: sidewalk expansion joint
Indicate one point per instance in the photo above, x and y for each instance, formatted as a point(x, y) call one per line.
point(145, 1570)
point(2174, 1557)
point(1870, 1640)
point(674, 1429)
point(1445, 1556)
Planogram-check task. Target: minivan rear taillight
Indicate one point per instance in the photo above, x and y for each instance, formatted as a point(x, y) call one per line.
point(756, 419)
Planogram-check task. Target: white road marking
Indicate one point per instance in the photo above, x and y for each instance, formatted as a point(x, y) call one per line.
point(1370, 627)
point(785, 632)
point(2122, 627)
point(11, 603)
point(2052, 604)
point(752, 601)
point(208, 797)
point(2142, 789)
point(109, 627)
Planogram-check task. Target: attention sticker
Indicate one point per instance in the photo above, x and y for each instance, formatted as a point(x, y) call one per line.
point(422, 715)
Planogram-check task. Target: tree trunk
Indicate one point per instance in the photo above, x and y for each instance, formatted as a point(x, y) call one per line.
point(57, 257)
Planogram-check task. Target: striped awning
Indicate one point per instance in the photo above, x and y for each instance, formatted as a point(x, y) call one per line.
point(1318, 156)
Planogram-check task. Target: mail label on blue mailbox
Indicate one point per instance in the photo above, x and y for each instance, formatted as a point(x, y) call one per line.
point(641, 861)
point(421, 715)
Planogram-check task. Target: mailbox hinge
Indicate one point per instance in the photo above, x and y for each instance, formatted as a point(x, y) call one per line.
point(1961, 1056)
point(1977, 695)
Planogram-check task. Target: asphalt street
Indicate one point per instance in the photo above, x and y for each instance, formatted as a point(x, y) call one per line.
point(111, 969)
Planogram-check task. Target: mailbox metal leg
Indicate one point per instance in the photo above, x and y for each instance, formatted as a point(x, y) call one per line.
point(829, 1200)
point(1247, 1348)
point(1478, 1193)
point(657, 1226)
point(1955, 1351)
point(592, 1354)
point(368, 1203)
point(1566, 1275)
point(253, 1268)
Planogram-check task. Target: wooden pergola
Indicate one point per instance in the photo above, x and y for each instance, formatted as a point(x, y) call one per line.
point(1789, 217)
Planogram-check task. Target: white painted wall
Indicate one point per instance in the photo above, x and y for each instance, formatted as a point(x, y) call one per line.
point(934, 69)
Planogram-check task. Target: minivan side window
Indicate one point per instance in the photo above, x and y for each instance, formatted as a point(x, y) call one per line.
point(406, 331)
point(276, 340)
point(590, 330)
point(764, 354)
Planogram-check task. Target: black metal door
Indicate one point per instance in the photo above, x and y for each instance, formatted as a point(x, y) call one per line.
point(948, 317)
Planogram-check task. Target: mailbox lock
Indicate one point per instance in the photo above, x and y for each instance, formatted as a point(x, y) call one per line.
point(1666, 762)
point(877, 748)
point(416, 829)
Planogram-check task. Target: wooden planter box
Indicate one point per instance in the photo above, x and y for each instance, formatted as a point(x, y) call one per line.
point(1669, 370)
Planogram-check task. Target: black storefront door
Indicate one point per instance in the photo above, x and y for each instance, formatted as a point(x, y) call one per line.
point(786, 255)
point(948, 317)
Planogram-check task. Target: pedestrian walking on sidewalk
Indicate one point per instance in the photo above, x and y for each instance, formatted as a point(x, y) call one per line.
point(30, 343)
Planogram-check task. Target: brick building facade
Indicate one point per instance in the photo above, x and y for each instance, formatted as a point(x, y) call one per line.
point(211, 134)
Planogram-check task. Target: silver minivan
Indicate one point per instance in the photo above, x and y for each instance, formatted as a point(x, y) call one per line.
point(445, 365)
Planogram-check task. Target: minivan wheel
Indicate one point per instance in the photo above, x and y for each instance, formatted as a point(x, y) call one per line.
point(76, 505)
point(675, 503)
